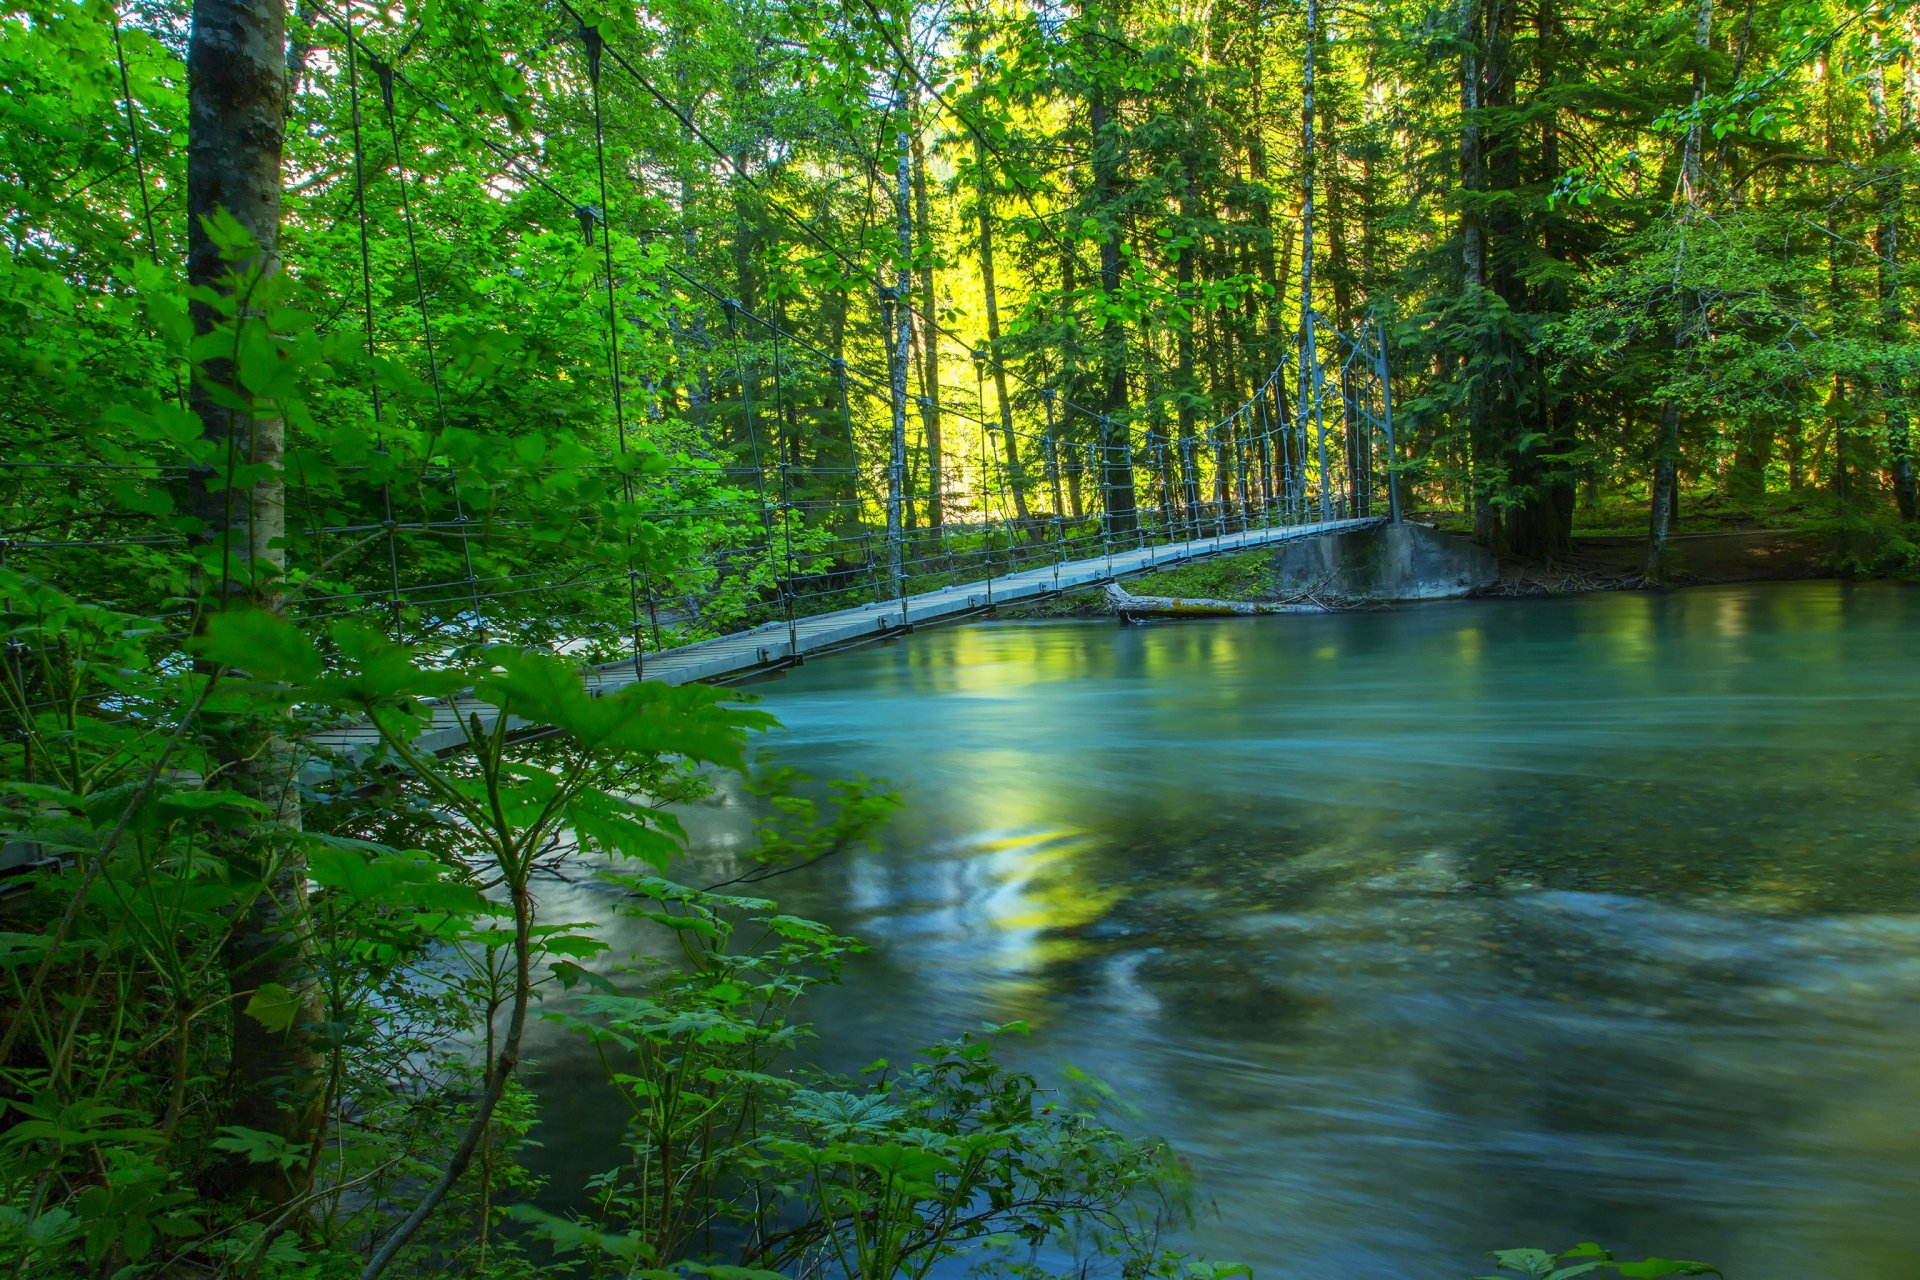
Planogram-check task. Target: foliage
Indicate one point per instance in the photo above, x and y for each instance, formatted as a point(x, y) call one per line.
point(1589, 1259)
point(877, 1178)
point(1234, 577)
point(571, 347)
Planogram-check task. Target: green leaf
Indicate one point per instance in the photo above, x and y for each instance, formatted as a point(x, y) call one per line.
point(259, 1146)
point(1653, 1268)
point(368, 873)
point(274, 1006)
point(232, 239)
point(262, 644)
point(201, 801)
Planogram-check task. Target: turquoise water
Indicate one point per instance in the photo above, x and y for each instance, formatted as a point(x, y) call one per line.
point(1418, 932)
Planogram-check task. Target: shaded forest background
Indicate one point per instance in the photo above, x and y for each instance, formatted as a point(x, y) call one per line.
point(1618, 253)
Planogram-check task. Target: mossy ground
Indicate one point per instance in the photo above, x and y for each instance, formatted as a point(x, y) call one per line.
point(1245, 576)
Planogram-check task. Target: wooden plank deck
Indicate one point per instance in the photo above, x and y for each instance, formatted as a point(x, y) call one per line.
point(776, 645)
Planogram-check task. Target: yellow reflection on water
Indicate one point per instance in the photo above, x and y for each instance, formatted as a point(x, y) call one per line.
point(1730, 618)
point(1469, 643)
point(1629, 629)
point(1045, 895)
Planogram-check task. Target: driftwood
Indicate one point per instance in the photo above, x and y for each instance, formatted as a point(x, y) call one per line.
point(1129, 606)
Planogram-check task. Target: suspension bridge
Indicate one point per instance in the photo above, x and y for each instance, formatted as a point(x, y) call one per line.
point(776, 646)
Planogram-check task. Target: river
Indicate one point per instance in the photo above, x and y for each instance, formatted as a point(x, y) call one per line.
point(1418, 932)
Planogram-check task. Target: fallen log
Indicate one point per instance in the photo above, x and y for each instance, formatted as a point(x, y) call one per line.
point(1129, 606)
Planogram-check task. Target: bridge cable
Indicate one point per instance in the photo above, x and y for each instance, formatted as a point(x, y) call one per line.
point(384, 73)
point(590, 37)
point(373, 371)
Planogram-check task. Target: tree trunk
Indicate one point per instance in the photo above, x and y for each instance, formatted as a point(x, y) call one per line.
point(236, 102)
point(929, 348)
point(1889, 195)
point(1308, 399)
point(897, 310)
point(1538, 521)
point(1115, 464)
point(1665, 502)
point(1123, 602)
point(1473, 279)
point(1009, 443)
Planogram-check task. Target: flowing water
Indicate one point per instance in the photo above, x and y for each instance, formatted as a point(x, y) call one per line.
point(1418, 932)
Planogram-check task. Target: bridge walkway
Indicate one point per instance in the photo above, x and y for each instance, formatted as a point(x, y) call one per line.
point(778, 645)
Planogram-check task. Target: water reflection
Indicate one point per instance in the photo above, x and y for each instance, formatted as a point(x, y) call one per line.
point(1419, 932)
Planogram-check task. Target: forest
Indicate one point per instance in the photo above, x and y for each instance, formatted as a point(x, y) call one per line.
point(371, 371)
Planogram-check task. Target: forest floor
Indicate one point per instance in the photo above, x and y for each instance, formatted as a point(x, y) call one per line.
point(1614, 562)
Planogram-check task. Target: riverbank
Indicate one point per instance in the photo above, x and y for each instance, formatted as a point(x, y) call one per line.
point(1604, 562)
point(1617, 562)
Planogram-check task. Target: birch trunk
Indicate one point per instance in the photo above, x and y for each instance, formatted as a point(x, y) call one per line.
point(236, 97)
point(897, 310)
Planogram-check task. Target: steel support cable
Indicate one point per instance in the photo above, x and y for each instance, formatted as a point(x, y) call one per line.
point(140, 176)
point(384, 73)
point(1237, 446)
point(1320, 432)
point(1047, 398)
point(373, 372)
point(590, 37)
point(542, 589)
point(780, 444)
point(853, 456)
point(1259, 457)
point(733, 310)
point(986, 459)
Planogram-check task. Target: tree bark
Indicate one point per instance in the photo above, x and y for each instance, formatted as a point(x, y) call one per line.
point(1473, 279)
point(1009, 443)
point(1119, 600)
point(1115, 464)
point(236, 102)
point(929, 348)
point(1666, 474)
point(1308, 399)
point(1889, 195)
point(897, 310)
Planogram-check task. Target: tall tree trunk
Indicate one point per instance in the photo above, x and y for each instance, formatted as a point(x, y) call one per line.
point(1339, 274)
point(1186, 385)
point(1009, 443)
point(1308, 357)
point(1538, 520)
point(1473, 279)
point(1666, 467)
point(236, 124)
point(897, 308)
point(1889, 195)
point(1116, 466)
point(929, 347)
